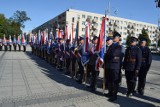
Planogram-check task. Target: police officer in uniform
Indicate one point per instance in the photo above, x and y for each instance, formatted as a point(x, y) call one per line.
point(92, 63)
point(78, 53)
point(145, 66)
point(109, 42)
point(131, 65)
point(60, 54)
point(112, 64)
point(73, 60)
point(14, 43)
point(67, 56)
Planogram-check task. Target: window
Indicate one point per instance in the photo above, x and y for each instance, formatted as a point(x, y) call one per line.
point(90, 17)
point(96, 17)
point(83, 29)
point(83, 16)
point(83, 22)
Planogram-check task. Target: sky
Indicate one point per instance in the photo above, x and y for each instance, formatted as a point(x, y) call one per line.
point(41, 11)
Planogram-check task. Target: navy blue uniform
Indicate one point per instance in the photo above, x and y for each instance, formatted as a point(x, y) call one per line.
point(67, 57)
point(91, 68)
point(146, 63)
point(73, 60)
point(112, 66)
point(132, 64)
point(81, 68)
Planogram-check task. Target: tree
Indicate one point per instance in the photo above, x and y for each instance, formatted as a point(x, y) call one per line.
point(20, 17)
point(128, 41)
point(145, 35)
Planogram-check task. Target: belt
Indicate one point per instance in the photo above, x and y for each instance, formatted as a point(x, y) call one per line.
point(131, 60)
point(143, 59)
point(116, 58)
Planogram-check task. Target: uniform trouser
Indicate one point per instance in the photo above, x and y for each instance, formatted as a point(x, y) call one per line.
point(94, 74)
point(24, 48)
point(112, 78)
point(67, 63)
point(19, 47)
point(48, 57)
point(5, 47)
point(14, 47)
point(131, 80)
point(10, 47)
point(81, 70)
point(142, 78)
point(73, 60)
point(106, 77)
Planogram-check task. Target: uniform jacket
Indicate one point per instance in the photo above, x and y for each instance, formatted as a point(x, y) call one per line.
point(132, 59)
point(113, 56)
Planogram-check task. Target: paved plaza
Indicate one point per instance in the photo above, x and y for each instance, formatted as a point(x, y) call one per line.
point(28, 81)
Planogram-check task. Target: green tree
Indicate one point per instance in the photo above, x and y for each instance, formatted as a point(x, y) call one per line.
point(145, 36)
point(20, 17)
point(128, 40)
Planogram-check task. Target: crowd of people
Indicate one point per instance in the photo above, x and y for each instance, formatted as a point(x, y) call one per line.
point(64, 54)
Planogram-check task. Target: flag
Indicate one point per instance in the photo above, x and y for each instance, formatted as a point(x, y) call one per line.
point(85, 55)
point(18, 40)
point(10, 40)
point(100, 47)
point(14, 40)
point(4, 40)
point(39, 37)
point(76, 35)
point(23, 40)
point(66, 33)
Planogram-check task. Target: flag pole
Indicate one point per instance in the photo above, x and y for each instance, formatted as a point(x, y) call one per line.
point(107, 17)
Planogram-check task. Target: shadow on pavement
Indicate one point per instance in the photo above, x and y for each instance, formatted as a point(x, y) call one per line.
point(60, 78)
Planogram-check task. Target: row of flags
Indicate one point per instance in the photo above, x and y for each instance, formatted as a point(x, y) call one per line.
point(17, 40)
point(44, 37)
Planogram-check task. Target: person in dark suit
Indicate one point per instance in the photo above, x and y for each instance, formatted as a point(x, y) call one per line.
point(145, 66)
point(78, 53)
point(73, 60)
point(92, 63)
point(112, 64)
point(131, 65)
point(67, 56)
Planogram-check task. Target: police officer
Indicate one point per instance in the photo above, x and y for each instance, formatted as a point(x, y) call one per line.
point(109, 42)
point(92, 63)
point(78, 53)
point(14, 43)
point(145, 66)
point(73, 59)
point(132, 64)
point(60, 54)
point(112, 63)
point(10, 43)
point(67, 56)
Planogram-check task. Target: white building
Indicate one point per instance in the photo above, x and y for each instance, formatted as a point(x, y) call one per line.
point(122, 25)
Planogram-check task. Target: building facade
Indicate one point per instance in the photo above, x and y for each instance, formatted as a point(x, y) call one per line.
point(122, 25)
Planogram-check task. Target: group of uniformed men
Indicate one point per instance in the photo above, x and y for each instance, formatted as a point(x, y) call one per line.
point(9, 43)
point(135, 60)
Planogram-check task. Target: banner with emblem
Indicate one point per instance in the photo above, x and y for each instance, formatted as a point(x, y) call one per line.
point(85, 55)
point(100, 48)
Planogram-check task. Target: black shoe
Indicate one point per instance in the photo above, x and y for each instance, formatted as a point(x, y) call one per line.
point(67, 73)
point(79, 81)
point(141, 92)
point(129, 94)
point(112, 99)
point(108, 95)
